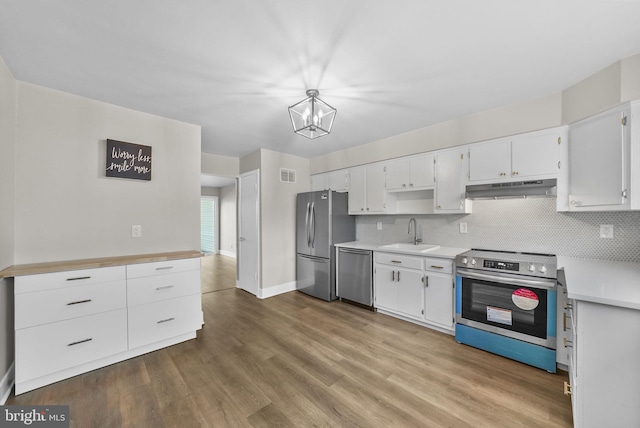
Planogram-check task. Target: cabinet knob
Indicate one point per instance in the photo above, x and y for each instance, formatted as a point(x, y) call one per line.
point(410, 184)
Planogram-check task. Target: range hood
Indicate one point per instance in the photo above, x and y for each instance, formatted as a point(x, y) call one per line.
point(515, 189)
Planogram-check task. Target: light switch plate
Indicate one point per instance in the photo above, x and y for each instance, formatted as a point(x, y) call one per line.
point(136, 231)
point(463, 227)
point(606, 231)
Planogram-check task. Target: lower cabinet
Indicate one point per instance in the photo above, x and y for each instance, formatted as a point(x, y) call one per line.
point(416, 288)
point(71, 322)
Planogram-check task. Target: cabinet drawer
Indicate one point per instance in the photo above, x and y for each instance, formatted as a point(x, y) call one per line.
point(157, 321)
point(48, 281)
point(57, 346)
point(438, 265)
point(150, 289)
point(43, 307)
point(161, 268)
point(399, 260)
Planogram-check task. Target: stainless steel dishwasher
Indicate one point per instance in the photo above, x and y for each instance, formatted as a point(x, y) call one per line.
point(355, 276)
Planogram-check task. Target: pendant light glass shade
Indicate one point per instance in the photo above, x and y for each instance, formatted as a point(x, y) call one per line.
point(312, 117)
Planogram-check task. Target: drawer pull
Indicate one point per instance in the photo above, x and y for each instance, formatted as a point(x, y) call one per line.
point(167, 320)
point(396, 261)
point(567, 388)
point(78, 278)
point(78, 302)
point(166, 287)
point(80, 341)
point(564, 321)
point(437, 267)
point(164, 268)
point(568, 306)
point(567, 343)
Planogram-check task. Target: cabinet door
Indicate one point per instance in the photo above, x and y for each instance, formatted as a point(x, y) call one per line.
point(450, 186)
point(489, 161)
point(410, 292)
point(397, 174)
point(319, 182)
point(357, 190)
point(338, 180)
point(422, 171)
point(597, 161)
point(535, 156)
point(438, 302)
point(385, 285)
point(375, 191)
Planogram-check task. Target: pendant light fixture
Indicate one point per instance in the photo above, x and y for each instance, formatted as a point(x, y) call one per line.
point(312, 117)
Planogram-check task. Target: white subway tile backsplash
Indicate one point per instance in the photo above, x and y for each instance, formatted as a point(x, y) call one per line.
point(518, 225)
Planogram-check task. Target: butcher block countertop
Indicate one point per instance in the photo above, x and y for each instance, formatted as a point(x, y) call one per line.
point(66, 265)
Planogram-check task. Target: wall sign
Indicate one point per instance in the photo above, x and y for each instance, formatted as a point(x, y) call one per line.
point(128, 160)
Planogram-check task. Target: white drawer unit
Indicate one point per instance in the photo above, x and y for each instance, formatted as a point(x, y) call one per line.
point(57, 346)
point(162, 287)
point(154, 322)
point(59, 304)
point(71, 322)
point(399, 260)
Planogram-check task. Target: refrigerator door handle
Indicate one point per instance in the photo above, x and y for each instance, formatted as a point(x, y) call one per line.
point(313, 224)
point(306, 224)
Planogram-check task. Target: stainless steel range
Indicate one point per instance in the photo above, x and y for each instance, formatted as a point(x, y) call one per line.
point(506, 304)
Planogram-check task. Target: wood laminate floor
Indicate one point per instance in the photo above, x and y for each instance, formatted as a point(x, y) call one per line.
point(295, 361)
point(217, 272)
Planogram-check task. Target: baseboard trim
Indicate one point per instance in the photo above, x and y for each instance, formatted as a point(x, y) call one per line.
point(265, 293)
point(6, 385)
point(228, 253)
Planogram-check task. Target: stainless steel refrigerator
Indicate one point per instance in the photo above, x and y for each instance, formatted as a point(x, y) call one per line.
point(321, 222)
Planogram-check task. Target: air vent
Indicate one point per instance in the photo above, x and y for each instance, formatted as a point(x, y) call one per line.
point(287, 175)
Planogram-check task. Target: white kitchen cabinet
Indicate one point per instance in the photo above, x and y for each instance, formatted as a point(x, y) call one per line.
point(410, 173)
point(450, 182)
point(604, 375)
point(335, 180)
point(604, 161)
point(367, 194)
point(417, 289)
point(534, 155)
point(71, 322)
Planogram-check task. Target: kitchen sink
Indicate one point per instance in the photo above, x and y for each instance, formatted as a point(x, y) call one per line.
point(404, 246)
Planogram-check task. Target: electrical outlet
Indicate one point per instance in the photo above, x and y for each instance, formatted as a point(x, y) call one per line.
point(463, 227)
point(379, 225)
point(606, 231)
point(136, 231)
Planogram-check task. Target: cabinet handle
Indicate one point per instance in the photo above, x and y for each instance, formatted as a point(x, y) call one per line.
point(404, 185)
point(78, 278)
point(80, 341)
point(398, 276)
point(166, 320)
point(567, 388)
point(426, 281)
point(410, 184)
point(437, 267)
point(568, 305)
point(514, 173)
point(164, 268)
point(393, 275)
point(164, 287)
point(438, 206)
point(78, 302)
point(502, 174)
point(564, 321)
point(396, 261)
point(567, 343)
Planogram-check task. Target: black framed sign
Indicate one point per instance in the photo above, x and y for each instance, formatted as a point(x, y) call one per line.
point(128, 160)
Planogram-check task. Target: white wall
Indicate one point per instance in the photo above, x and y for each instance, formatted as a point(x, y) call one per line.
point(228, 220)
point(222, 166)
point(65, 206)
point(7, 211)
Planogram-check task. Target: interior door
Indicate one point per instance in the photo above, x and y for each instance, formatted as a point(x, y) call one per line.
point(249, 232)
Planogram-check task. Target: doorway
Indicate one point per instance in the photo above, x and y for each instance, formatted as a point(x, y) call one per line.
point(209, 225)
point(249, 232)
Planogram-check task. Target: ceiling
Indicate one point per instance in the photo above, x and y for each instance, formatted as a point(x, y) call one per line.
point(234, 66)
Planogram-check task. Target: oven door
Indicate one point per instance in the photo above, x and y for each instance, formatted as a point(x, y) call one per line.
point(511, 305)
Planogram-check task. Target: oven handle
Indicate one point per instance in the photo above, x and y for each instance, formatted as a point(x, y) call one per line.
point(509, 280)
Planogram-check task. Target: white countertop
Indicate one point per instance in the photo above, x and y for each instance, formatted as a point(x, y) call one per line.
point(602, 281)
point(442, 252)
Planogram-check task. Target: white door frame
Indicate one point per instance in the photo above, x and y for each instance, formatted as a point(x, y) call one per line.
point(258, 278)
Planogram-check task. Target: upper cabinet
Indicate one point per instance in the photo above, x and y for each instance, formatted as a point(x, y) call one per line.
point(450, 182)
point(335, 180)
point(366, 190)
point(410, 173)
point(534, 155)
point(605, 160)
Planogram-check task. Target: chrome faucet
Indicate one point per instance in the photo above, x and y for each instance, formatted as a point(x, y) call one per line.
point(415, 231)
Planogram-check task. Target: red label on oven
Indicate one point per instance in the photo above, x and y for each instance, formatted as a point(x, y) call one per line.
point(525, 299)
